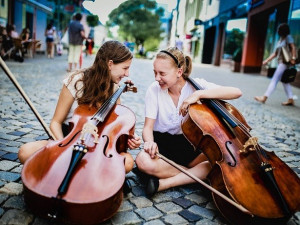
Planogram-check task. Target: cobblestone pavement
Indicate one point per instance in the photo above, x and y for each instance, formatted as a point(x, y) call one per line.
point(277, 128)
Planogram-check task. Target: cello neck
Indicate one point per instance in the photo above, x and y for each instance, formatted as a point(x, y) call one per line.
point(215, 106)
point(107, 106)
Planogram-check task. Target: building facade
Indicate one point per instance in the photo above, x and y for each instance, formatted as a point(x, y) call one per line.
point(216, 29)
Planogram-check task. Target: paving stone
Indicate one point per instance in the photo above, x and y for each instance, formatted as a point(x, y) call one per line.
point(141, 202)
point(125, 218)
point(161, 197)
point(148, 213)
point(11, 149)
point(185, 203)
point(197, 198)
point(154, 222)
point(17, 169)
point(3, 197)
point(16, 217)
point(7, 165)
point(8, 176)
point(9, 137)
point(125, 206)
point(10, 156)
point(174, 194)
point(175, 219)
point(17, 133)
point(212, 206)
point(203, 212)
point(12, 188)
point(15, 202)
point(206, 222)
point(191, 217)
point(168, 207)
point(1, 211)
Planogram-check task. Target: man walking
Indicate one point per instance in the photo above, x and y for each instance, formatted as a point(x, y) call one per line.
point(76, 37)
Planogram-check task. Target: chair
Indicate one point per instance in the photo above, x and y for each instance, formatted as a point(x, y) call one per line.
point(31, 46)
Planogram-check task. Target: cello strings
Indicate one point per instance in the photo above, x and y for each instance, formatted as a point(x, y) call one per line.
point(225, 111)
point(244, 129)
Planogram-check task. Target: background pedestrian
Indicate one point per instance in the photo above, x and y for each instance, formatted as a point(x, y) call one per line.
point(50, 34)
point(76, 37)
point(285, 40)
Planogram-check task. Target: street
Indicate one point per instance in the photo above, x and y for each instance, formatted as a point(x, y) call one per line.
point(277, 128)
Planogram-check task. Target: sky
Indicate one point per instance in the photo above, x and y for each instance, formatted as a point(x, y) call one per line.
point(102, 8)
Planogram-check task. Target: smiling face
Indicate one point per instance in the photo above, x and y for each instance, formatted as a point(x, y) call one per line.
point(166, 74)
point(119, 71)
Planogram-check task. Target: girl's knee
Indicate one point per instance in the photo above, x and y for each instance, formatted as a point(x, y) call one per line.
point(23, 153)
point(145, 163)
point(28, 149)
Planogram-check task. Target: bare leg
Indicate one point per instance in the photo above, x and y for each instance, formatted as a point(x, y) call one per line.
point(28, 149)
point(201, 170)
point(70, 67)
point(168, 175)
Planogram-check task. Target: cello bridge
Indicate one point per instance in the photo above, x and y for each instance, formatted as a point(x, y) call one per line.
point(250, 145)
point(89, 128)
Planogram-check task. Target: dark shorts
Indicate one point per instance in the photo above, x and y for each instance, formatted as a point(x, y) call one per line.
point(175, 147)
point(49, 39)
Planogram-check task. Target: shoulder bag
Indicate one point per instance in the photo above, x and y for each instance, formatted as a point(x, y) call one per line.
point(289, 75)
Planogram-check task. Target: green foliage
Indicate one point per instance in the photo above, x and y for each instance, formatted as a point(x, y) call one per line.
point(138, 20)
point(151, 44)
point(234, 40)
point(92, 20)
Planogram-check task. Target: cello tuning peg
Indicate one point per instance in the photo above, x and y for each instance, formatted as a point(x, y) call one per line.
point(133, 89)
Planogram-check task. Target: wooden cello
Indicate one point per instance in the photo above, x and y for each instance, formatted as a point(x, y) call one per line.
point(241, 169)
point(79, 179)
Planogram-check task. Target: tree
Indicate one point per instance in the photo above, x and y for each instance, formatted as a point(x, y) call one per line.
point(138, 20)
point(234, 41)
point(92, 20)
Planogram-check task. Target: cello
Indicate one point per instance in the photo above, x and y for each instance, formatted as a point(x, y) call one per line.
point(242, 170)
point(79, 179)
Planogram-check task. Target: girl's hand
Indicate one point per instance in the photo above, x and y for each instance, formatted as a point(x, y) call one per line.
point(187, 102)
point(265, 62)
point(151, 148)
point(134, 141)
point(293, 61)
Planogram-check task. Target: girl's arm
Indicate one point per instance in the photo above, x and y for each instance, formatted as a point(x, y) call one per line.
point(223, 92)
point(293, 50)
point(149, 145)
point(63, 107)
point(270, 58)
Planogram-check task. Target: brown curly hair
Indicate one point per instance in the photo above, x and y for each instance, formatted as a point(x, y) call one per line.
point(183, 61)
point(97, 83)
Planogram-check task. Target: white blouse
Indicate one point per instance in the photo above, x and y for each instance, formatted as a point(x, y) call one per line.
point(160, 106)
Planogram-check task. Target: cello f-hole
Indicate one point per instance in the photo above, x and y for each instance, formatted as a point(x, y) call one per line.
point(228, 148)
point(63, 145)
point(105, 147)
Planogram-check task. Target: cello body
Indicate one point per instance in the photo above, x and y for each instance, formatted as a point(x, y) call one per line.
point(94, 190)
point(237, 168)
